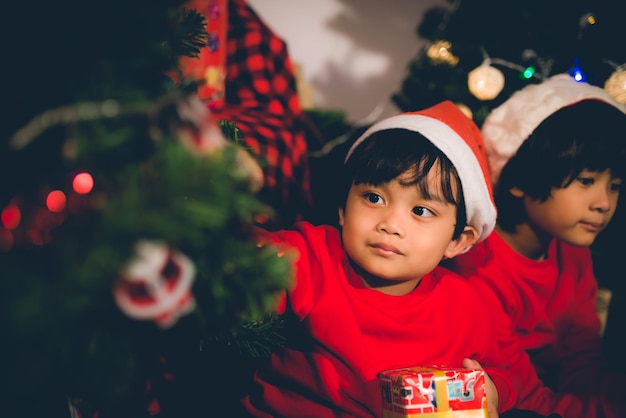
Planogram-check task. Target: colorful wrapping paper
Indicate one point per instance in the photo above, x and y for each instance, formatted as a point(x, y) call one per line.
point(433, 392)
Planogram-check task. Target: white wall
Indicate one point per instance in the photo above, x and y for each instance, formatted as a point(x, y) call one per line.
point(353, 53)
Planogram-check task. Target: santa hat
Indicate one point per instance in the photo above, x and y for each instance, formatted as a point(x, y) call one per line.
point(450, 130)
point(510, 124)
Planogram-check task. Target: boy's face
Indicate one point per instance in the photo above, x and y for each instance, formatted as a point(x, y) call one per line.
point(578, 212)
point(395, 235)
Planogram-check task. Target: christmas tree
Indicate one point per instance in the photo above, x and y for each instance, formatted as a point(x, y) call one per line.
point(128, 276)
point(499, 47)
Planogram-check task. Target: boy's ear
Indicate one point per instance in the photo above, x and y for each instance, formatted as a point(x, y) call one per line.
point(340, 210)
point(463, 243)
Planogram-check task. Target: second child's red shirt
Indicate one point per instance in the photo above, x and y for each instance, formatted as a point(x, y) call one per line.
point(551, 304)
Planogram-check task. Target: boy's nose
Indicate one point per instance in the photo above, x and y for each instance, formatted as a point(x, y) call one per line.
point(389, 230)
point(391, 224)
point(602, 201)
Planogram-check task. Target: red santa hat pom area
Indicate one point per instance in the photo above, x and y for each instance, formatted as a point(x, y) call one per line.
point(450, 130)
point(510, 124)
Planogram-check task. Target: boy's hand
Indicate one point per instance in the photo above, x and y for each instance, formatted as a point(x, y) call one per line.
point(490, 388)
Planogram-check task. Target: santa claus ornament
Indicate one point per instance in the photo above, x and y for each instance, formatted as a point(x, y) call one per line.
point(156, 284)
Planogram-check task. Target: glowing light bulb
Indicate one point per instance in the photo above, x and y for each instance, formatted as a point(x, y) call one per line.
point(11, 216)
point(577, 72)
point(56, 201)
point(528, 72)
point(485, 82)
point(578, 75)
point(82, 183)
point(440, 53)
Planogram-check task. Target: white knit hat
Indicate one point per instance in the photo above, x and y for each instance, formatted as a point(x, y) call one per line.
point(510, 124)
point(447, 127)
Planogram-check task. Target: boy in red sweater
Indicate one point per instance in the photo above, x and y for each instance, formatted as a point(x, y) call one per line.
point(556, 152)
point(370, 296)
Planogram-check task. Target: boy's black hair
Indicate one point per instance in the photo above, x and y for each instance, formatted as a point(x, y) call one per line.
point(589, 135)
point(386, 154)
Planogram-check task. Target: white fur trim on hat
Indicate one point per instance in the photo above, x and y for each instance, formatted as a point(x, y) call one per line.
point(510, 124)
point(452, 132)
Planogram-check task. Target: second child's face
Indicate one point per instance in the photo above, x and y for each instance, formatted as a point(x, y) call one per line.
point(577, 213)
point(394, 234)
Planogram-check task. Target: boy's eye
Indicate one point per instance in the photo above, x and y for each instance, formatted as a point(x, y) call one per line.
point(616, 187)
point(423, 212)
point(585, 181)
point(373, 198)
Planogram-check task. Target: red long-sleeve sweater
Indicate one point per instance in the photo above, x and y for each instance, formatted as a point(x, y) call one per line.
point(551, 304)
point(348, 333)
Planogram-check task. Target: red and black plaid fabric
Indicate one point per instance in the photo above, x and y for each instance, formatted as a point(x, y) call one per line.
point(261, 99)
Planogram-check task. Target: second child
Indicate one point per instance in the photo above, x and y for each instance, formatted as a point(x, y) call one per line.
point(557, 153)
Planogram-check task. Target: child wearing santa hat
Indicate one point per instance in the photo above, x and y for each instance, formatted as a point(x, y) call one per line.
point(369, 296)
point(556, 153)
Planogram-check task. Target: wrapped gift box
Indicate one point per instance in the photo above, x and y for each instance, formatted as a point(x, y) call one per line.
point(433, 392)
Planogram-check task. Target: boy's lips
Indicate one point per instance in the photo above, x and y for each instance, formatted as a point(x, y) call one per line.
point(386, 248)
point(592, 226)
